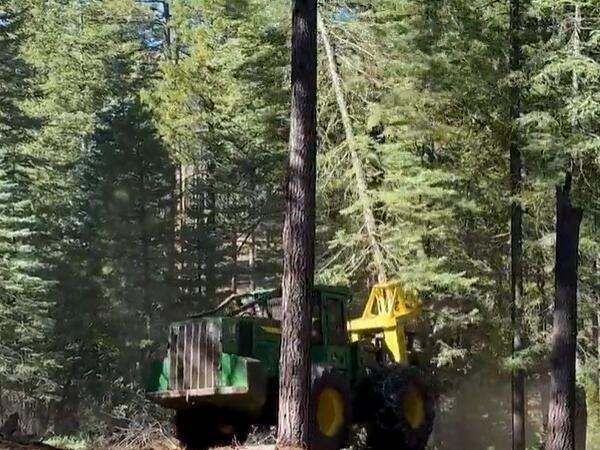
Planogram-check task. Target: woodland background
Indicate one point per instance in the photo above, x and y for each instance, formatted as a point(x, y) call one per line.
point(142, 158)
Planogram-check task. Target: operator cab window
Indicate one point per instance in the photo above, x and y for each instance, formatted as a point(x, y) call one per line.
point(316, 322)
point(336, 326)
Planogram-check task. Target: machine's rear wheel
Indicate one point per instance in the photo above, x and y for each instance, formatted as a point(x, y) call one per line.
point(400, 409)
point(200, 428)
point(330, 412)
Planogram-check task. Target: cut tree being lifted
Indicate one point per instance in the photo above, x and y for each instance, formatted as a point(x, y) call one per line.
point(357, 166)
point(221, 371)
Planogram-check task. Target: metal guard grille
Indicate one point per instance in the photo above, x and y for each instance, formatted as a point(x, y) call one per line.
point(194, 353)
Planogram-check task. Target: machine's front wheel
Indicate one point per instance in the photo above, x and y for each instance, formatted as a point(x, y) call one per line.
point(200, 428)
point(330, 412)
point(400, 409)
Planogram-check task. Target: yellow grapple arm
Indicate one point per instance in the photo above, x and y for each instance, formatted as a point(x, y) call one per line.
point(388, 308)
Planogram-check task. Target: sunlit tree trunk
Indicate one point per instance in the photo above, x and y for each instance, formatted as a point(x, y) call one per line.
point(299, 231)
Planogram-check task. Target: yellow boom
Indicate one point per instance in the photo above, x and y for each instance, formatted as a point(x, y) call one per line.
point(387, 310)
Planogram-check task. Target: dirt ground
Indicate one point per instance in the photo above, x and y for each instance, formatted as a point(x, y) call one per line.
point(13, 445)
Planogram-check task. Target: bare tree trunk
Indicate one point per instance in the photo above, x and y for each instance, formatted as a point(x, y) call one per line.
point(561, 412)
point(176, 206)
point(299, 231)
point(596, 335)
point(144, 240)
point(171, 250)
point(234, 261)
point(357, 165)
point(199, 234)
point(252, 261)
point(211, 244)
point(581, 418)
point(516, 235)
point(544, 401)
point(179, 215)
point(595, 319)
point(598, 353)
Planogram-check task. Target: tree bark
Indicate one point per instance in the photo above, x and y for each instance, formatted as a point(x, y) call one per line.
point(561, 412)
point(199, 230)
point(144, 238)
point(211, 243)
point(598, 354)
point(252, 260)
point(175, 207)
point(299, 231)
point(234, 261)
point(544, 402)
point(357, 165)
point(581, 418)
point(516, 234)
point(595, 319)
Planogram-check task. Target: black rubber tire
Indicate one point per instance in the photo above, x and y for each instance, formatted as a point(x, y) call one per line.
point(200, 428)
point(383, 400)
point(318, 440)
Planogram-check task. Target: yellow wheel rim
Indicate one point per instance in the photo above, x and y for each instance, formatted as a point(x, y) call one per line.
point(330, 412)
point(414, 407)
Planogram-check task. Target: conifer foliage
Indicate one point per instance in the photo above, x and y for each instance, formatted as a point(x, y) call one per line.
point(142, 177)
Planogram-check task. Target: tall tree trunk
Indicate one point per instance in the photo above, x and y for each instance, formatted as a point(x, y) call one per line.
point(252, 260)
point(145, 244)
point(299, 231)
point(172, 230)
point(561, 412)
point(211, 243)
point(357, 165)
point(581, 418)
point(516, 234)
point(595, 319)
point(234, 261)
point(544, 402)
point(175, 207)
point(199, 235)
point(179, 215)
point(598, 354)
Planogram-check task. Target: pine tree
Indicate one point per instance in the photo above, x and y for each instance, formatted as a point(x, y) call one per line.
point(562, 136)
point(25, 310)
point(231, 170)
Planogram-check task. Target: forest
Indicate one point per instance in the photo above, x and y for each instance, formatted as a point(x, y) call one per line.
point(143, 149)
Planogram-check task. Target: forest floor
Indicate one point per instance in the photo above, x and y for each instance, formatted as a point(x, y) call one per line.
point(165, 445)
point(16, 445)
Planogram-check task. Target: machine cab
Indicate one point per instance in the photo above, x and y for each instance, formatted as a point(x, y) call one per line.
point(329, 334)
point(328, 317)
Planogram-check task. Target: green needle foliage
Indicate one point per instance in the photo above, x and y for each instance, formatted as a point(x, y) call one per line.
point(142, 154)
